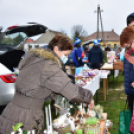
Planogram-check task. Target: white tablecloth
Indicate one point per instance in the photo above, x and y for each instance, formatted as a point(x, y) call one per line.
point(93, 85)
point(110, 66)
point(104, 74)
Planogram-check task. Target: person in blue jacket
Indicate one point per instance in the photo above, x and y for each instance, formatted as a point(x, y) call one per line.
point(127, 41)
point(130, 97)
point(77, 53)
point(95, 56)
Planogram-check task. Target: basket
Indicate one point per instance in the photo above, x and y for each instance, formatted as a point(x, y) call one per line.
point(118, 65)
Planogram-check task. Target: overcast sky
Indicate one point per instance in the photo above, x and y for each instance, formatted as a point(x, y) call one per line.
point(63, 14)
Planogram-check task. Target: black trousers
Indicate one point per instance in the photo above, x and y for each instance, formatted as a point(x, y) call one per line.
point(95, 65)
point(130, 99)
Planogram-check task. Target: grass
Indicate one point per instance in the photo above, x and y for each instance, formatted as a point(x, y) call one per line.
point(115, 102)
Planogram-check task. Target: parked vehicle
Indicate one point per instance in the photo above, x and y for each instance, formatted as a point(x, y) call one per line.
point(11, 52)
point(7, 80)
point(13, 38)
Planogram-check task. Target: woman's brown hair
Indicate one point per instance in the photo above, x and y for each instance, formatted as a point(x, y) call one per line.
point(62, 42)
point(127, 35)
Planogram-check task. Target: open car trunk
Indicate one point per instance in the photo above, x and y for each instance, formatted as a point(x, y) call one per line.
point(29, 30)
point(12, 42)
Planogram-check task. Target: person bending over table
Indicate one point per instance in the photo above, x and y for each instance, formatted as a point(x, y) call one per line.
point(41, 75)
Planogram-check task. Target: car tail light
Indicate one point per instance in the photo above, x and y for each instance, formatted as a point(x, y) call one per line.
point(11, 78)
point(11, 27)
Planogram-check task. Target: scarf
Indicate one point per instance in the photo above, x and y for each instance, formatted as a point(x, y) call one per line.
point(129, 54)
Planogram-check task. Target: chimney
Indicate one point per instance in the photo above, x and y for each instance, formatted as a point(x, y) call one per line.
point(112, 30)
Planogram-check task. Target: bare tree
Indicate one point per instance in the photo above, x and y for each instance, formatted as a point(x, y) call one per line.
point(78, 32)
point(63, 31)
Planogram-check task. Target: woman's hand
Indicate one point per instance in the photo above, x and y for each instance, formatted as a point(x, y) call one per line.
point(91, 105)
point(132, 84)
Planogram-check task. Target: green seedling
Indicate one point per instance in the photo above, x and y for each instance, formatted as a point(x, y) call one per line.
point(17, 126)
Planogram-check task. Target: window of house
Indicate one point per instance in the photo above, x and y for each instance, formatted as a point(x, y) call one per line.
point(36, 46)
point(109, 45)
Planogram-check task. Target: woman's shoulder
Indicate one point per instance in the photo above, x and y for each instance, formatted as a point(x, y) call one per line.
point(51, 65)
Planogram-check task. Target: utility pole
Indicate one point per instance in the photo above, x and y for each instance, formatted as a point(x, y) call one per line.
point(102, 28)
point(98, 11)
point(99, 17)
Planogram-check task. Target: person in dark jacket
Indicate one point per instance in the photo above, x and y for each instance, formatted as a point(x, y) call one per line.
point(127, 41)
point(95, 56)
point(77, 53)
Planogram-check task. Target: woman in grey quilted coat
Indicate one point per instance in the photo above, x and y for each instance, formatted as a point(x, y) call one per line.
point(41, 75)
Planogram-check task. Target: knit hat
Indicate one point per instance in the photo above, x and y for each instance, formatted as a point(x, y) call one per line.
point(130, 16)
point(77, 41)
point(96, 42)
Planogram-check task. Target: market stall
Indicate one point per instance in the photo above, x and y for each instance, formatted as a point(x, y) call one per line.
point(90, 79)
point(84, 121)
point(113, 65)
point(114, 68)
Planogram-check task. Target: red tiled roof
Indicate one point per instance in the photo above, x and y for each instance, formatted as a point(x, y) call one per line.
point(108, 36)
point(29, 40)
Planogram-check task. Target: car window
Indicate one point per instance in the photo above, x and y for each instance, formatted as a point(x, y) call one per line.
point(13, 39)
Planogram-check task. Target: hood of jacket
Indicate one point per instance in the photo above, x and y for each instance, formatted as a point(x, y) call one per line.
point(31, 57)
